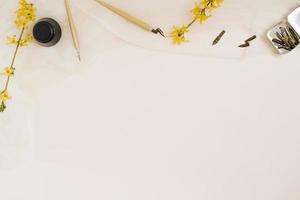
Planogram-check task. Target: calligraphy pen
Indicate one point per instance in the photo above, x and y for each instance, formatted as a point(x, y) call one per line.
point(131, 18)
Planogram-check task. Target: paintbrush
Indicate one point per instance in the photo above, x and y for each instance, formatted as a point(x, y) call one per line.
point(131, 18)
point(73, 29)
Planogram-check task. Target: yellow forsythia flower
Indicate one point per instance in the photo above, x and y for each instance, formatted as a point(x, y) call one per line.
point(9, 71)
point(12, 40)
point(25, 14)
point(178, 34)
point(4, 96)
point(211, 4)
point(24, 42)
point(200, 12)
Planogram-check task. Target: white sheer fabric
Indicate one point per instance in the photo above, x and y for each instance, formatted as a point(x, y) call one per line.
point(241, 19)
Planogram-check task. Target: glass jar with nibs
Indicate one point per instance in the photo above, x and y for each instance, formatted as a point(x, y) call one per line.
point(285, 36)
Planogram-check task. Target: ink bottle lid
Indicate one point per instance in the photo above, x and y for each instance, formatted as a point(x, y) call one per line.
point(47, 32)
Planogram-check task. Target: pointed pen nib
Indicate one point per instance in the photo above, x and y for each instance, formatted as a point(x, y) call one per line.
point(78, 55)
point(158, 30)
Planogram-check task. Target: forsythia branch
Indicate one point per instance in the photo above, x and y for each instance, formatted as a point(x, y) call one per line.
point(24, 15)
point(201, 13)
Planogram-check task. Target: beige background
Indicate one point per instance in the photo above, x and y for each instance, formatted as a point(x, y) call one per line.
point(136, 122)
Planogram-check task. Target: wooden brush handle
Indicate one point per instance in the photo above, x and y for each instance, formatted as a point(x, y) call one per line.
point(72, 25)
point(126, 16)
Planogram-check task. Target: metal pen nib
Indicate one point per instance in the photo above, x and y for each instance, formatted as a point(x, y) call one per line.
point(158, 30)
point(78, 54)
point(218, 38)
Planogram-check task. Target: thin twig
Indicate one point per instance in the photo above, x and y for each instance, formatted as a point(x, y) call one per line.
point(191, 23)
point(14, 57)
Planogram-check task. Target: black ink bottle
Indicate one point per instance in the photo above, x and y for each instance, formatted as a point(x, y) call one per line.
point(47, 32)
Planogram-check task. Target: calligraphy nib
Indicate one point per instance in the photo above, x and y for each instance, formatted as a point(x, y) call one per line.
point(158, 30)
point(78, 54)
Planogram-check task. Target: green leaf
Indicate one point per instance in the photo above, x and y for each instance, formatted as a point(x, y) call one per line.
point(2, 107)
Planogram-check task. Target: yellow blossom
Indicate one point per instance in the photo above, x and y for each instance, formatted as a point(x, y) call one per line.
point(9, 71)
point(4, 96)
point(24, 42)
point(12, 40)
point(213, 3)
point(200, 12)
point(25, 14)
point(178, 34)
